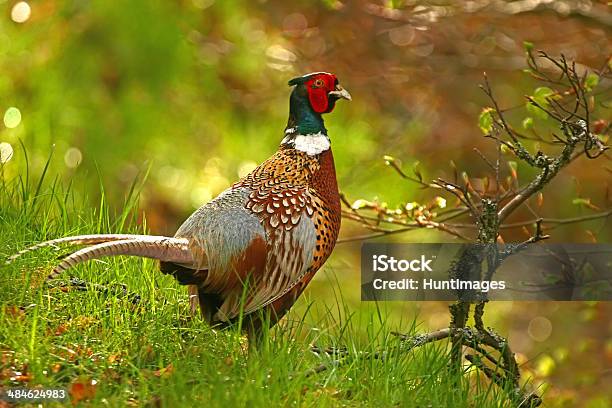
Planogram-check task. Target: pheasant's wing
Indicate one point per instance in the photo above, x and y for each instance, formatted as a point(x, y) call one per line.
point(228, 243)
point(259, 239)
point(253, 247)
point(285, 211)
point(281, 198)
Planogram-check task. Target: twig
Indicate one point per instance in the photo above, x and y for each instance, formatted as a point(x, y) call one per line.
point(421, 339)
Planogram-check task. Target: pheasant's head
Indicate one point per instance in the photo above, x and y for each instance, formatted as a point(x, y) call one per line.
point(322, 89)
point(314, 94)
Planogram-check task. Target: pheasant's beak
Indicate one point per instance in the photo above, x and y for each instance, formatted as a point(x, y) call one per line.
point(340, 92)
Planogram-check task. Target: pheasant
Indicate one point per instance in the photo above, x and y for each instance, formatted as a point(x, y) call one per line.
point(252, 250)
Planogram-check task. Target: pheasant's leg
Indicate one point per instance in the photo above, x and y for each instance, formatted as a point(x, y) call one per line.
point(209, 303)
point(194, 299)
point(258, 325)
point(254, 334)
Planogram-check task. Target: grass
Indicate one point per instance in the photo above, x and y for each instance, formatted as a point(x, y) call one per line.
point(107, 349)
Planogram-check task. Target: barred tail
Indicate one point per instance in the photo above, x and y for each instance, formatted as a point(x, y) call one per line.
point(165, 249)
point(79, 240)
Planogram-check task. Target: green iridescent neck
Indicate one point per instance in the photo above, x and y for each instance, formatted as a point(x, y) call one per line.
point(302, 117)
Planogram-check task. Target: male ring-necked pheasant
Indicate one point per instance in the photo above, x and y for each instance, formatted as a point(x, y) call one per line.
point(256, 246)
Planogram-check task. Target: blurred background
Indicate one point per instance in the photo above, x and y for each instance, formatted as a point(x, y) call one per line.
point(196, 91)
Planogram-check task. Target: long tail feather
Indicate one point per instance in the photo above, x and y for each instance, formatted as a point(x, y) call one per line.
point(162, 248)
point(79, 240)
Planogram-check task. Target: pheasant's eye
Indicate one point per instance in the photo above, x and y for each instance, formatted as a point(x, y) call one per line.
point(318, 83)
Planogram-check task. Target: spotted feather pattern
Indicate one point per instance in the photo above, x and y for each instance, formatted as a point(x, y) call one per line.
point(280, 188)
point(292, 184)
point(285, 188)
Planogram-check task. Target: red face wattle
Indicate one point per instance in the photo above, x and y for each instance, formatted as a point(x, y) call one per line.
point(318, 88)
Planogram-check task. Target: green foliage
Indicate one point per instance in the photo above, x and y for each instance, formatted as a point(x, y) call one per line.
point(540, 96)
point(416, 169)
point(485, 120)
point(591, 81)
point(528, 123)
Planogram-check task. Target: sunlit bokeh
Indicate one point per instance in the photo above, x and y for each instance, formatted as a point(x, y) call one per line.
point(200, 195)
point(540, 328)
point(20, 13)
point(203, 4)
point(6, 152)
point(172, 177)
point(73, 157)
point(12, 117)
point(281, 58)
point(440, 202)
point(402, 36)
point(246, 167)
